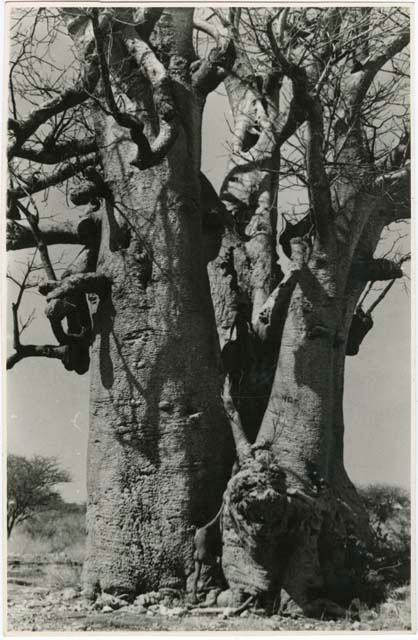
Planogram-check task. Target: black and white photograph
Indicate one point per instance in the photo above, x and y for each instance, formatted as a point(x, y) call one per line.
point(208, 352)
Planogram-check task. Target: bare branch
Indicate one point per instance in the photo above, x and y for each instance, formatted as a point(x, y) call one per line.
point(396, 187)
point(66, 299)
point(58, 152)
point(377, 269)
point(76, 284)
point(364, 77)
point(209, 72)
point(69, 98)
point(208, 28)
point(26, 351)
point(319, 187)
point(386, 290)
point(84, 232)
point(36, 351)
point(66, 171)
point(40, 244)
point(145, 19)
point(308, 102)
point(152, 154)
point(242, 446)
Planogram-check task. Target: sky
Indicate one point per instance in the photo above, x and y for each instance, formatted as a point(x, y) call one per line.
point(47, 407)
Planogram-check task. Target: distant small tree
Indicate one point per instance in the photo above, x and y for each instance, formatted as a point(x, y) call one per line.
point(30, 487)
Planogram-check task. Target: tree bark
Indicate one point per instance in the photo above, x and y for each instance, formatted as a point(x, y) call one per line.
point(159, 446)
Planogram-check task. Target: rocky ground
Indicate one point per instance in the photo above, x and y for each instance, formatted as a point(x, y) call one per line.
point(39, 598)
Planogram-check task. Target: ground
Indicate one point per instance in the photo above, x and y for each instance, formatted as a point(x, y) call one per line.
point(43, 595)
point(45, 557)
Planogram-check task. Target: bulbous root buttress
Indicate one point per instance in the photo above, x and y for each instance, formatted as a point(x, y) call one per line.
point(278, 539)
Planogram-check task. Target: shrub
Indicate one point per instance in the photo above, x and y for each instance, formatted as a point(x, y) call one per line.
point(389, 555)
point(62, 530)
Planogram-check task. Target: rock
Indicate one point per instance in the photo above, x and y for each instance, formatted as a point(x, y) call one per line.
point(69, 594)
point(211, 597)
point(88, 593)
point(107, 609)
point(177, 611)
point(224, 598)
point(356, 626)
point(149, 599)
point(140, 609)
point(106, 599)
point(244, 614)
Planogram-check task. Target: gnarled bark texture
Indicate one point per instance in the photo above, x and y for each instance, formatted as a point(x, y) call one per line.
point(159, 445)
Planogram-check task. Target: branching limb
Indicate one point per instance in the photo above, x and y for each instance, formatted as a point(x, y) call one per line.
point(19, 236)
point(66, 171)
point(46, 262)
point(39, 241)
point(23, 129)
point(30, 350)
point(209, 29)
point(319, 186)
point(377, 269)
point(388, 287)
point(308, 101)
point(242, 446)
point(66, 299)
point(152, 154)
point(272, 316)
point(145, 20)
point(77, 284)
point(208, 73)
point(36, 351)
point(364, 78)
point(148, 155)
point(396, 187)
point(53, 153)
point(269, 143)
point(73, 307)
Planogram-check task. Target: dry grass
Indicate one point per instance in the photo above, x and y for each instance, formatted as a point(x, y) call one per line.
point(58, 577)
point(52, 533)
point(21, 543)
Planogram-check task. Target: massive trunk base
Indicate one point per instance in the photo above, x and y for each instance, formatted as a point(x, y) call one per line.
point(281, 540)
point(160, 449)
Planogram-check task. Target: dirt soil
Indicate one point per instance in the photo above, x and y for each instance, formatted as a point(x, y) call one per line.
point(35, 602)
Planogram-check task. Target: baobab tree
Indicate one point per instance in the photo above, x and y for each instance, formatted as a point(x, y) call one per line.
point(179, 292)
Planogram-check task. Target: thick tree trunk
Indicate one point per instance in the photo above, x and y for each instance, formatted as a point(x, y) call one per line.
point(159, 445)
point(297, 431)
point(311, 538)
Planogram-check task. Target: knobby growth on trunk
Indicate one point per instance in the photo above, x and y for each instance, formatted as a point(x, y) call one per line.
point(177, 289)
